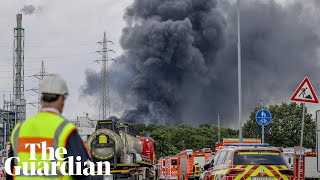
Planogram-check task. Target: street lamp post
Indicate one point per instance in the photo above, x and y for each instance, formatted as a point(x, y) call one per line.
point(239, 77)
point(262, 131)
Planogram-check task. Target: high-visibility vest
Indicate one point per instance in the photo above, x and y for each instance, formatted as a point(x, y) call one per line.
point(197, 170)
point(44, 126)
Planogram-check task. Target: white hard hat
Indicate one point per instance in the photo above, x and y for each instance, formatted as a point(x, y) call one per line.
point(53, 84)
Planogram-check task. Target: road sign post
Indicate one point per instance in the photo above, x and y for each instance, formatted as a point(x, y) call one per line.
point(262, 134)
point(263, 118)
point(318, 138)
point(305, 94)
point(301, 140)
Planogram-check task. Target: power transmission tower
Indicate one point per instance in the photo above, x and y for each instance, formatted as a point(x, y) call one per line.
point(18, 72)
point(104, 109)
point(37, 90)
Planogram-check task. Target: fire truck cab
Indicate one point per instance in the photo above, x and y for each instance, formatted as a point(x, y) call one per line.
point(161, 168)
point(172, 167)
point(191, 163)
point(168, 167)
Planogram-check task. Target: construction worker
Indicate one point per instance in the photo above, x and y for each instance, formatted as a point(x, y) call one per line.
point(50, 126)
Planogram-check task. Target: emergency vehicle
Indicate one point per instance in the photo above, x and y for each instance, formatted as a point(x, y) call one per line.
point(162, 170)
point(252, 161)
point(187, 167)
point(172, 167)
point(228, 141)
point(308, 165)
point(168, 168)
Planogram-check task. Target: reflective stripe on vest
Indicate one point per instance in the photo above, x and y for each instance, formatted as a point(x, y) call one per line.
point(48, 127)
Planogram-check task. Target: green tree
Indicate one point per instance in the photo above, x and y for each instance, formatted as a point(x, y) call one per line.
point(171, 140)
point(163, 143)
point(285, 126)
point(138, 128)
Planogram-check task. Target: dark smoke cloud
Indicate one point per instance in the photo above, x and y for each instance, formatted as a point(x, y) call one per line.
point(92, 85)
point(279, 48)
point(28, 9)
point(172, 47)
point(180, 60)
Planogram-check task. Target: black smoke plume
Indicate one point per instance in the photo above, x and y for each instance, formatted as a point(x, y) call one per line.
point(180, 60)
point(28, 9)
point(92, 86)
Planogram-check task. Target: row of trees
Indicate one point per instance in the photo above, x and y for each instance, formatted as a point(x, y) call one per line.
point(171, 140)
point(284, 130)
point(285, 126)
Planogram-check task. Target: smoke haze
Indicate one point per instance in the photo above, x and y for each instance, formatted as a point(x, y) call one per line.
point(28, 9)
point(180, 60)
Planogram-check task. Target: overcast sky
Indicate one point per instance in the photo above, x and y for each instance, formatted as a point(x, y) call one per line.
point(63, 34)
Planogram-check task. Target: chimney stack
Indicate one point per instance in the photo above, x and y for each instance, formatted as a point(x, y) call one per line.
point(19, 20)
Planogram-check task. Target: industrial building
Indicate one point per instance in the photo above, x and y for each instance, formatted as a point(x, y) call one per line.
point(85, 126)
point(7, 119)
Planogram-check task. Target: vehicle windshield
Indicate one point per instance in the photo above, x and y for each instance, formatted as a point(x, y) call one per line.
point(258, 158)
point(200, 159)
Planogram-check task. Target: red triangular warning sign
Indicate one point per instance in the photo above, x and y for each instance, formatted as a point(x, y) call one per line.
point(305, 93)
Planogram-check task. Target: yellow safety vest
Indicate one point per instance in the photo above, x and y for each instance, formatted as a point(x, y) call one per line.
point(197, 171)
point(44, 126)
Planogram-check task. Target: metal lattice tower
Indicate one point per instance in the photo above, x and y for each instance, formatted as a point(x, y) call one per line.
point(8, 105)
point(104, 110)
point(18, 72)
point(37, 90)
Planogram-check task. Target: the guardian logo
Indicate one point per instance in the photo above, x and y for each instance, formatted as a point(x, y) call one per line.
point(49, 166)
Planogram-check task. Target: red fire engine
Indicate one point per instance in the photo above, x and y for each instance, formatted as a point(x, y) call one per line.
point(162, 168)
point(167, 167)
point(187, 167)
point(308, 164)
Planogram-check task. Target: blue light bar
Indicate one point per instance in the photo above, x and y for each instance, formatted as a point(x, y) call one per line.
point(248, 145)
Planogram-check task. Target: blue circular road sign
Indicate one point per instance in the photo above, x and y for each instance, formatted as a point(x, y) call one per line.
point(263, 117)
